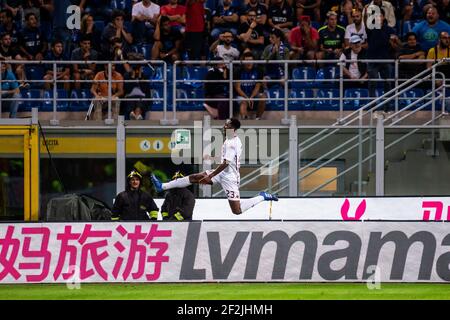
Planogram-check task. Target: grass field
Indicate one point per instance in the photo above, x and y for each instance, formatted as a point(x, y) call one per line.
point(233, 291)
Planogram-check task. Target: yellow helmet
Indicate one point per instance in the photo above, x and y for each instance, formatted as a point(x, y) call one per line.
point(177, 175)
point(134, 173)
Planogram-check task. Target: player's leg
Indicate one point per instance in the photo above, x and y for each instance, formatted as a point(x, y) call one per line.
point(179, 183)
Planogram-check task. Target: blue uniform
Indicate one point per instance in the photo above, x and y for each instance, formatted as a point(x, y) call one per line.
point(32, 40)
point(248, 86)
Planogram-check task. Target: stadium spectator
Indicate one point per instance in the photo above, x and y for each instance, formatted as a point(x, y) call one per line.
point(176, 14)
point(115, 29)
point(443, 7)
point(168, 41)
point(345, 13)
point(9, 90)
point(280, 16)
point(9, 26)
point(225, 17)
point(382, 44)
point(179, 203)
point(14, 7)
point(354, 68)
point(304, 40)
point(62, 71)
point(276, 50)
point(137, 86)
point(410, 50)
point(60, 30)
point(134, 203)
point(440, 51)
point(224, 50)
point(119, 52)
point(251, 34)
point(215, 89)
point(248, 87)
point(195, 27)
point(261, 12)
point(84, 53)
point(101, 9)
point(428, 30)
point(88, 29)
point(309, 8)
point(331, 39)
point(356, 28)
point(144, 17)
point(388, 9)
point(412, 10)
point(32, 42)
point(8, 52)
point(99, 90)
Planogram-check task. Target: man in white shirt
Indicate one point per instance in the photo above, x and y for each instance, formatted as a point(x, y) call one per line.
point(356, 28)
point(144, 17)
point(226, 174)
point(225, 50)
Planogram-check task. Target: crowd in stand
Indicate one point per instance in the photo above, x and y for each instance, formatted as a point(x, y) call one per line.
point(172, 30)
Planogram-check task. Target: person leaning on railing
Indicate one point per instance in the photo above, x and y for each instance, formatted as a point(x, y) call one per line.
point(100, 92)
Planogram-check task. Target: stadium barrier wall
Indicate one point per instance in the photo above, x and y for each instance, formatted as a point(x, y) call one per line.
point(370, 208)
point(239, 251)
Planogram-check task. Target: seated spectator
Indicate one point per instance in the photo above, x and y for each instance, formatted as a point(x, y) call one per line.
point(225, 17)
point(144, 17)
point(176, 14)
point(225, 51)
point(7, 52)
point(388, 9)
point(309, 8)
point(214, 89)
point(248, 87)
point(115, 29)
point(356, 28)
point(7, 25)
point(412, 10)
point(251, 34)
point(331, 39)
point(14, 7)
point(354, 69)
point(32, 41)
point(9, 90)
point(440, 51)
point(88, 30)
point(303, 40)
point(83, 53)
point(119, 52)
point(98, 8)
point(62, 71)
point(137, 113)
point(261, 12)
point(281, 16)
point(99, 90)
point(168, 41)
point(428, 31)
point(276, 50)
point(410, 50)
point(345, 13)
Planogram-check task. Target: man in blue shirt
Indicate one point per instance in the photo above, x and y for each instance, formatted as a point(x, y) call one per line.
point(33, 44)
point(428, 30)
point(62, 71)
point(9, 90)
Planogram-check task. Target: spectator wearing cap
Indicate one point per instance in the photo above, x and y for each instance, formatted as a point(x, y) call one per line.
point(356, 28)
point(225, 17)
point(354, 69)
point(331, 39)
point(411, 50)
point(251, 34)
point(304, 40)
point(281, 16)
point(428, 30)
point(223, 49)
point(309, 8)
point(388, 8)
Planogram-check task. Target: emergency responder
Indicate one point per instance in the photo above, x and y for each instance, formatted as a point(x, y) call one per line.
point(134, 203)
point(179, 203)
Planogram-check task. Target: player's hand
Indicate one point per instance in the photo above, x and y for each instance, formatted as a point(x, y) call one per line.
point(205, 180)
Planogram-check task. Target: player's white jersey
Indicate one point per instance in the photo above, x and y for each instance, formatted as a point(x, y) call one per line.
point(231, 151)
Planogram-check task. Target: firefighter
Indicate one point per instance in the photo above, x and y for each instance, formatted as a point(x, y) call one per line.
point(179, 203)
point(134, 203)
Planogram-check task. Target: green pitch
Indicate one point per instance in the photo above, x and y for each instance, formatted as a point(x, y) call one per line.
point(257, 291)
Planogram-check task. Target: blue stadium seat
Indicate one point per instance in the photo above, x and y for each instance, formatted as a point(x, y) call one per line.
point(193, 93)
point(276, 92)
point(325, 74)
point(325, 102)
point(299, 105)
point(409, 97)
point(146, 50)
point(27, 103)
point(35, 72)
point(303, 73)
point(159, 105)
point(47, 105)
point(77, 104)
point(124, 5)
point(355, 98)
point(195, 73)
point(99, 25)
point(316, 24)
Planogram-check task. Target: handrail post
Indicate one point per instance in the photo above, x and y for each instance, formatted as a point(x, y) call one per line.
point(341, 91)
point(54, 121)
point(360, 153)
point(379, 160)
point(293, 157)
point(120, 155)
point(174, 94)
point(433, 111)
point(1, 83)
point(109, 120)
point(396, 85)
point(286, 90)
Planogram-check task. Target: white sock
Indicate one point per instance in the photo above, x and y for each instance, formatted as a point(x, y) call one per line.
point(250, 203)
point(178, 183)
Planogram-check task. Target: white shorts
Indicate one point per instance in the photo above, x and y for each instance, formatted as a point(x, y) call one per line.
point(231, 188)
